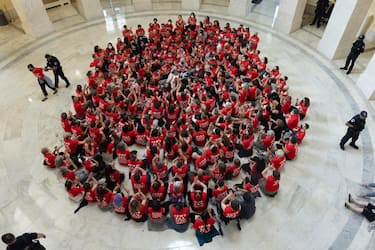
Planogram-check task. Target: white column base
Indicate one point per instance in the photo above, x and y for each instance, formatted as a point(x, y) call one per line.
point(366, 80)
point(90, 9)
point(289, 16)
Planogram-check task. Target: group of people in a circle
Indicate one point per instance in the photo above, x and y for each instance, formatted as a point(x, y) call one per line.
point(184, 123)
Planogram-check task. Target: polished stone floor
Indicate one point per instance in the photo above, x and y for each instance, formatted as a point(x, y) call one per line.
point(308, 212)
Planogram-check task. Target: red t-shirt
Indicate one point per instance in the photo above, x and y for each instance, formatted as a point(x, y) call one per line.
point(142, 185)
point(199, 138)
point(156, 215)
point(180, 217)
point(198, 206)
point(38, 72)
point(228, 212)
point(50, 159)
point(271, 185)
point(202, 227)
point(158, 195)
point(220, 194)
point(292, 150)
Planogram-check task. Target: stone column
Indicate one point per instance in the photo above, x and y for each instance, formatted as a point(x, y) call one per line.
point(90, 9)
point(343, 27)
point(34, 18)
point(289, 15)
point(366, 80)
point(142, 5)
point(239, 8)
point(190, 4)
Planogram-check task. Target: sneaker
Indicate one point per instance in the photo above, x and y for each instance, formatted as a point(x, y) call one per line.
point(354, 146)
point(44, 99)
point(54, 92)
point(343, 68)
point(342, 146)
point(350, 198)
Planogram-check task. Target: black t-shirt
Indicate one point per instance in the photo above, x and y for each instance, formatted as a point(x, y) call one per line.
point(23, 241)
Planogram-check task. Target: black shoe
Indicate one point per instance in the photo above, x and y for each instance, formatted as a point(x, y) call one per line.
point(342, 146)
point(55, 91)
point(344, 68)
point(127, 218)
point(239, 226)
point(67, 85)
point(44, 99)
point(348, 72)
point(349, 198)
point(346, 205)
point(354, 146)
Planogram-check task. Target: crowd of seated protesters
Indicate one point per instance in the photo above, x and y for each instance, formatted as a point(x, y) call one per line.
point(176, 123)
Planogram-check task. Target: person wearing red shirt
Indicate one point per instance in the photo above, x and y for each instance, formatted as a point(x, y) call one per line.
point(234, 169)
point(128, 135)
point(139, 180)
point(278, 160)
point(301, 132)
point(197, 197)
point(137, 208)
point(220, 171)
point(199, 136)
point(49, 157)
point(303, 106)
point(177, 190)
point(71, 145)
point(245, 148)
point(200, 160)
point(205, 229)
point(179, 217)
point(122, 153)
point(141, 136)
point(269, 185)
point(180, 168)
point(156, 217)
point(65, 122)
point(290, 148)
point(293, 119)
point(43, 80)
point(104, 198)
point(220, 191)
point(78, 108)
point(229, 209)
point(160, 168)
point(75, 191)
point(120, 203)
point(158, 190)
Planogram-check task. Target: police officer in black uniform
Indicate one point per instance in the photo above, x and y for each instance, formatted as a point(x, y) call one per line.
point(54, 64)
point(320, 10)
point(357, 48)
point(25, 241)
point(355, 126)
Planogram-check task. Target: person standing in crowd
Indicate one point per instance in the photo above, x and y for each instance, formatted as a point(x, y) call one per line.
point(24, 241)
point(355, 126)
point(320, 11)
point(43, 80)
point(54, 64)
point(357, 48)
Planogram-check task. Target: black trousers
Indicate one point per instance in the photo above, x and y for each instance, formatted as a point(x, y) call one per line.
point(350, 60)
point(350, 133)
point(43, 84)
point(59, 72)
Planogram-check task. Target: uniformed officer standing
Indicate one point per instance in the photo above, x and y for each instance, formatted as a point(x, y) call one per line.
point(320, 10)
point(357, 48)
point(54, 64)
point(355, 126)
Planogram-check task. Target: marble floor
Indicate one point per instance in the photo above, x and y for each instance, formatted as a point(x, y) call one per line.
point(308, 212)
